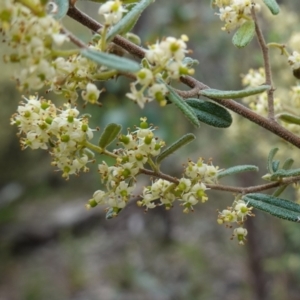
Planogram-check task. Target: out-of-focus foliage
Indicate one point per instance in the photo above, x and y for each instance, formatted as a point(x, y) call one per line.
point(51, 248)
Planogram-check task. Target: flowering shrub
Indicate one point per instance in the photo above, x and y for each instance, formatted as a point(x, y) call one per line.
point(35, 36)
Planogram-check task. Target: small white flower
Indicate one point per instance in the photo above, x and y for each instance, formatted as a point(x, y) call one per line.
point(240, 233)
point(138, 96)
point(91, 94)
point(145, 77)
point(112, 12)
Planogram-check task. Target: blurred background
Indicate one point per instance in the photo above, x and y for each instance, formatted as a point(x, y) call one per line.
point(51, 247)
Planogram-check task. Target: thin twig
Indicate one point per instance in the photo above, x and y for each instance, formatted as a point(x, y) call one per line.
point(90, 23)
point(268, 124)
point(267, 66)
point(73, 38)
point(226, 188)
point(139, 52)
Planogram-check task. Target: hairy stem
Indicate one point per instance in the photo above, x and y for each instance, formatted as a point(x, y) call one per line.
point(196, 85)
point(267, 66)
point(245, 112)
point(226, 188)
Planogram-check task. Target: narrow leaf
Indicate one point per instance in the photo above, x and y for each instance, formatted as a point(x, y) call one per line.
point(244, 34)
point(129, 20)
point(182, 105)
point(273, 6)
point(275, 165)
point(186, 139)
point(210, 113)
point(285, 173)
point(109, 134)
point(111, 61)
point(237, 169)
point(274, 210)
point(287, 164)
point(279, 190)
point(217, 94)
point(289, 118)
point(271, 155)
point(279, 202)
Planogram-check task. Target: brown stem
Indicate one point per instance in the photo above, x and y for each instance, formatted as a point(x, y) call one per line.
point(73, 38)
point(268, 124)
point(90, 23)
point(196, 85)
point(225, 188)
point(267, 66)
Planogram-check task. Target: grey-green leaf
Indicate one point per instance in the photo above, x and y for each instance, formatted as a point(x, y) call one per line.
point(285, 173)
point(182, 105)
point(273, 6)
point(186, 139)
point(288, 164)
point(129, 20)
point(111, 61)
point(237, 169)
point(275, 165)
point(109, 134)
point(274, 210)
point(210, 113)
point(217, 94)
point(271, 156)
point(275, 201)
point(244, 34)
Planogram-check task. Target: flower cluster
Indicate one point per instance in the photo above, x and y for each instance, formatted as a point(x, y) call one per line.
point(60, 131)
point(166, 59)
point(189, 190)
point(237, 213)
point(32, 39)
point(139, 148)
point(234, 12)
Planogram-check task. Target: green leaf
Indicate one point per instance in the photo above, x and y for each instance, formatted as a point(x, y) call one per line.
point(186, 139)
point(244, 34)
point(275, 165)
point(271, 155)
point(237, 169)
point(129, 20)
point(274, 210)
point(217, 94)
point(289, 118)
point(61, 10)
point(273, 6)
point(210, 113)
point(111, 61)
point(279, 190)
point(284, 173)
point(182, 105)
point(288, 164)
point(278, 207)
point(109, 134)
